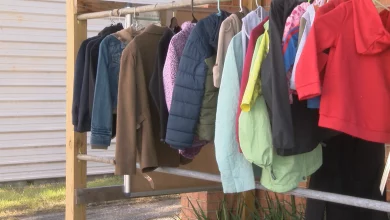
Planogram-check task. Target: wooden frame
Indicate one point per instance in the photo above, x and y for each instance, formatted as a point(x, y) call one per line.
point(76, 143)
point(77, 195)
point(76, 170)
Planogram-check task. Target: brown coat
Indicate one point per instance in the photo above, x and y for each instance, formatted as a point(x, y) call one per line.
point(138, 120)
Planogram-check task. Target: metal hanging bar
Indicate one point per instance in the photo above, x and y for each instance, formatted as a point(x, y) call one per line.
point(107, 160)
point(146, 8)
point(306, 193)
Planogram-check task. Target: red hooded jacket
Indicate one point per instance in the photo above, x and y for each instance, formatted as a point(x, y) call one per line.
point(355, 87)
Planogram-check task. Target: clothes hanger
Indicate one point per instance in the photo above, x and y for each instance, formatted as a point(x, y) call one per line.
point(111, 18)
point(119, 15)
point(219, 8)
point(258, 7)
point(134, 24)
point(241, 10)
point(381, 5)
point(194, 20)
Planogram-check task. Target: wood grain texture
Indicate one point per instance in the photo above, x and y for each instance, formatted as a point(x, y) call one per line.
point(87, 6)
point(76, 171)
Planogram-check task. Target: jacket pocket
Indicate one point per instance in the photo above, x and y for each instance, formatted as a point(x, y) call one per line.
point(116, 57)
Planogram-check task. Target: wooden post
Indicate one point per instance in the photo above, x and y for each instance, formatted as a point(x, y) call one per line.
point(76, 170)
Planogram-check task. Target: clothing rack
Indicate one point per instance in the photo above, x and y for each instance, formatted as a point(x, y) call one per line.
point(77, 195)
point(147, 8)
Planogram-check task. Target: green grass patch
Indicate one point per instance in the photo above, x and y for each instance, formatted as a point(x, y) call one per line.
point(28, 200)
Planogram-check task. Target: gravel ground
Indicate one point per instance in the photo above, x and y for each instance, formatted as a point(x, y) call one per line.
point(165, 209)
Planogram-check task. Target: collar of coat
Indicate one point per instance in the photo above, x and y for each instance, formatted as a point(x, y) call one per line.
point(125, 35)
point(154, 29)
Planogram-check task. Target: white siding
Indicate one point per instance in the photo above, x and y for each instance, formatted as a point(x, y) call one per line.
point(32, 90)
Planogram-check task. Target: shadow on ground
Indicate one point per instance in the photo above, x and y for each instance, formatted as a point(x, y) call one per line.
point(165, 209)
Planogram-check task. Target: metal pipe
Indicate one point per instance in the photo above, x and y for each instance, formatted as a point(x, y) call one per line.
point(306, 193)
point(146, 8)
point(126, 185)
point(107, 160)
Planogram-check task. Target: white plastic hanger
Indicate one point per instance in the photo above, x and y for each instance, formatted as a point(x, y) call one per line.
point(241, 10)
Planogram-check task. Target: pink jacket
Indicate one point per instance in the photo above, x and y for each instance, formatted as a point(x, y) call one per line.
point(172, 61)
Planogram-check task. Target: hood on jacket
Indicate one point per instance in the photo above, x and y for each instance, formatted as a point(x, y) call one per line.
point(371, 30)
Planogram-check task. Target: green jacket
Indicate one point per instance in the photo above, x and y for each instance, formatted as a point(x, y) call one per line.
point(206, 125)
point(280, 173)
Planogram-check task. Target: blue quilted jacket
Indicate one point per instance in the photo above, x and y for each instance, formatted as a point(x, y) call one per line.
point(190, 81)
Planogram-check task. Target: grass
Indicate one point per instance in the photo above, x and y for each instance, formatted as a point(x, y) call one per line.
point(43, 198)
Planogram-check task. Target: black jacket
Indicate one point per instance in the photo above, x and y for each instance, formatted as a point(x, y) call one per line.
point(156, 84)
point(89, 66)
point(294, 127)
point(190, 81)
point(78, 80)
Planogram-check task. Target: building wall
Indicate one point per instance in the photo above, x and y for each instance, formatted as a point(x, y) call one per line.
point(32, 90)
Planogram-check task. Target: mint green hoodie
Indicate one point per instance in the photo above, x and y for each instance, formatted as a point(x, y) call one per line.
point(236, 172)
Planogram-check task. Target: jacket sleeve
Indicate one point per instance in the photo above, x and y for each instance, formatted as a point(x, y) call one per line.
point(78, 81)
point(323, 35)
point(101, 123)
point(188, 91)
point(236, 172)
point(253, 76)
point(126, 139)
point(169, 72)
point(218, 67)
point(301, 45)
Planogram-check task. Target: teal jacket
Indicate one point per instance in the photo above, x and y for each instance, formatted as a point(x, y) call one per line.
point(236, 172)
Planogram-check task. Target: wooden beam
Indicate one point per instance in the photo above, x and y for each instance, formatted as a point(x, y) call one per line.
point(76, 171)
point(87, 6)
point(250, 4)
point(112, 193)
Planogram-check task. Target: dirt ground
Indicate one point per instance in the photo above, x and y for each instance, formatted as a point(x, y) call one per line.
point(165, 209)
